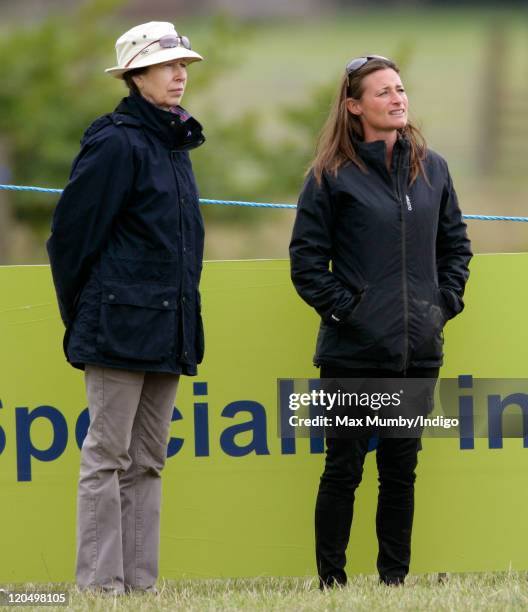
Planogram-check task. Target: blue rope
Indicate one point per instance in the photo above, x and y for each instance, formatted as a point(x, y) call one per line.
point(251, 204)
point(202, 201)
point(258, 204)
point(496, 218)
point(24, 188)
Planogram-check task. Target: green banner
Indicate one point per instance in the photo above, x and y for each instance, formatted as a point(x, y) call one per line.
point(238, 501)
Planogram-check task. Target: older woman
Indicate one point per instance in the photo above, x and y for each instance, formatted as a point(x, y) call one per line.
point(380, 207)
point(126, 255)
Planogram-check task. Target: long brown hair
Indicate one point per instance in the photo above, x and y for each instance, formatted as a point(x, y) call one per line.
point(335, 145)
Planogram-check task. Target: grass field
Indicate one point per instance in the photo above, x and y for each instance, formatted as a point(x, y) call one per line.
point(444, 55)
point(491, 591)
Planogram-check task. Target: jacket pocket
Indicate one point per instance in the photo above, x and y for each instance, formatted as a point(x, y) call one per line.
point(427, 318)
point(359, 321)
point(137, 321)
point(373, 333)
point(357, 303)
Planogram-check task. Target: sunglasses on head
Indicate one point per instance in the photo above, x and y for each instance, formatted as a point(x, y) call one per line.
point(359, 62)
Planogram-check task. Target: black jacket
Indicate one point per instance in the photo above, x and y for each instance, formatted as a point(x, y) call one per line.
point(399, 259)
point(127, 243)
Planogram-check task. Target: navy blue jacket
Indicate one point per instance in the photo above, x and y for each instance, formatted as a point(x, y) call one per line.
point(399, 257)
point(126, 245)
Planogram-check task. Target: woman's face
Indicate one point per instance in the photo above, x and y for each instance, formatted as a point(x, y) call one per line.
point(383, 106)
point(163, 84)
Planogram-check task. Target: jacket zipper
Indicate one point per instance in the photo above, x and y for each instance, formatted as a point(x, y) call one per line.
point(404, 271)
point(182, 296)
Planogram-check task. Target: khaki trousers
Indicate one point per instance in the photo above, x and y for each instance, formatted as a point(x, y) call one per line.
point(119, 495)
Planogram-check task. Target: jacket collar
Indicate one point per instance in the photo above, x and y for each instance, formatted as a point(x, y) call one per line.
point(178, 130)
point(374, 153)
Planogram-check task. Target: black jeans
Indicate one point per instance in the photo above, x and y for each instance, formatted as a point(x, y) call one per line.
point(396, 460)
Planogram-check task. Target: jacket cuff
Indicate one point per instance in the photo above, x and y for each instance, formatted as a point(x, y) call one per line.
point(452, 304)
point(342, 315)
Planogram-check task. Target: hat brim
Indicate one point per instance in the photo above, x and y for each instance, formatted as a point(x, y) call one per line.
point(164, 55)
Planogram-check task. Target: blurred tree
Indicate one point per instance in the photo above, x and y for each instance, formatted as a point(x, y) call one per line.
point(6, 214)
point(51, 88)
point(54, 86)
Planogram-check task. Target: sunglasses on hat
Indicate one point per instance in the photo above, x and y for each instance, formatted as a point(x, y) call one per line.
point(169, 41)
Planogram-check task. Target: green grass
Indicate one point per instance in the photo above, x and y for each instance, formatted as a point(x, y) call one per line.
point(491, 591)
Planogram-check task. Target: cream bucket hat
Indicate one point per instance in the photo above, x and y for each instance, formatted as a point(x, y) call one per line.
point(150, 43)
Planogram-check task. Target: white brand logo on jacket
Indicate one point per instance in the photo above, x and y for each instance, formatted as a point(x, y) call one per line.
point(408, 200)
